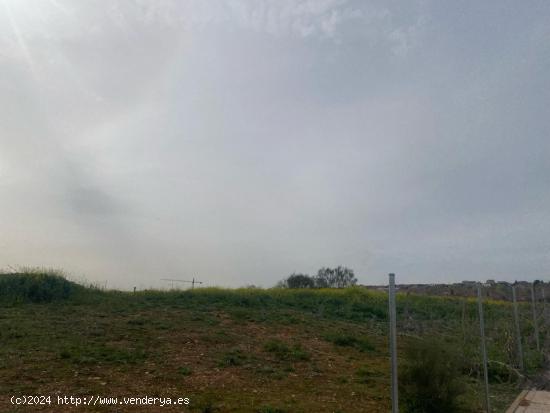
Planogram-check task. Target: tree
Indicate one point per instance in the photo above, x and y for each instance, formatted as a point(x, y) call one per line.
point(339, 277)
point(300, 281)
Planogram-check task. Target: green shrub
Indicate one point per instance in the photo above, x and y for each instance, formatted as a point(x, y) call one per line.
point(184, 371)
point(501, 372)
point(533, 360)
point(431, 379)
point(36, 287)
point(367, 374)
point(349, 340)
point(206, 402)
point(233, 357)
point(284, 352)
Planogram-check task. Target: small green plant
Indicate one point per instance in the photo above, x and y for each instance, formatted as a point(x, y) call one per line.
point(366, 374)
point(533, 360)
point(501, 372)
point(136, 322)
point(184, 371)
point(206, 403)
point(285, 352)
point(348, 340)
point(233, 357)
point(342, 380)
point(431, 381)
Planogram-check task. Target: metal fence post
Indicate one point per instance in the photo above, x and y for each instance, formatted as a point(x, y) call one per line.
point(464, 322)
point(518, 332)
point(544, 317)
point(483, 349)
point(535, 322)
point(393, 344)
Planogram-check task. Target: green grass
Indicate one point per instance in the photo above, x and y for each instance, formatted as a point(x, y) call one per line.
point(242, 350)
point(234, 357)
point(285, 352)
point(366, 374)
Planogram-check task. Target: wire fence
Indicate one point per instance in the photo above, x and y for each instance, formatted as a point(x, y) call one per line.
point(499, 340)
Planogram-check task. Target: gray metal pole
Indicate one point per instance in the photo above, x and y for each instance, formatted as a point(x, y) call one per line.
point(483, 349)
point(464, 321)
point(393, 345)
point(518, 332)
point(535, 322)
point(544, 317)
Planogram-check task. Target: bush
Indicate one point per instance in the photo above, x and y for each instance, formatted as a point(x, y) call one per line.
point(285, 352)
point(233, 357)
point(501, 372)
point(300, 281)
point(431, 380)
point(366, 374)
point(348, 340)
point(184, 371)
point(35, 287)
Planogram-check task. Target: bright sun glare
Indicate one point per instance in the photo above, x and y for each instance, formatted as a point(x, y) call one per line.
point(29, 17)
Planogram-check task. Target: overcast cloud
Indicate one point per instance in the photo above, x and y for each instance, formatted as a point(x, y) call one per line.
point(240, 141)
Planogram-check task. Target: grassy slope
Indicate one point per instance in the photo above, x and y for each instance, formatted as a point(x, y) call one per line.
point(227, 350)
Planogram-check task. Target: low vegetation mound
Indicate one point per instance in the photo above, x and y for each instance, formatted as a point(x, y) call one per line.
point(36, 287)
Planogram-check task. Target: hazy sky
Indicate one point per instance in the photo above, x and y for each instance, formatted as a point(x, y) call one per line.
point(240, 141)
